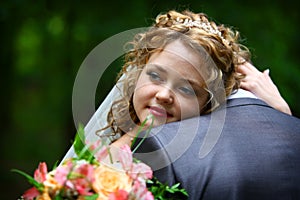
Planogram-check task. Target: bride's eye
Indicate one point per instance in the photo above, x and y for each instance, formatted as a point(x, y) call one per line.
point(187, 91)
point(154, 76)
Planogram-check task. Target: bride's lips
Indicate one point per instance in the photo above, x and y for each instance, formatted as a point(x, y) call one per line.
point(158, 112)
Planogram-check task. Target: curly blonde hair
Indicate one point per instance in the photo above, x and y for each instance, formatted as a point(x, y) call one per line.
point(221, 44)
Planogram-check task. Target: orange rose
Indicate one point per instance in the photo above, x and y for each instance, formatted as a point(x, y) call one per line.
point(109, 180)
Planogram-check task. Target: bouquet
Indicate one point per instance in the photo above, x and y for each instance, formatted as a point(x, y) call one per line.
point(94, 175)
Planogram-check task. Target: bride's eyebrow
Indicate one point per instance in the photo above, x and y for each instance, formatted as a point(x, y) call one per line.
point(193, 83)
point(158, 67)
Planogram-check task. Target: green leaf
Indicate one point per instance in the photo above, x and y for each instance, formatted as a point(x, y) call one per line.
point(140, 130)
point(91, 197)
point(164, 192)
point(79, 140)
point(31, 180)
point(55, 165)
point(81, 149)
point(58, 197)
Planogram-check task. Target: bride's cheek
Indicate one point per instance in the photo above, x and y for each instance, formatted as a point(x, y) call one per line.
point(190, 110)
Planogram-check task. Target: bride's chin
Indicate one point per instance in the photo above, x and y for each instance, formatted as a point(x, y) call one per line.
point(155, 121)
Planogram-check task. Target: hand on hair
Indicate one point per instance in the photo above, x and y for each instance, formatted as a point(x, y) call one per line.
point(261, 85)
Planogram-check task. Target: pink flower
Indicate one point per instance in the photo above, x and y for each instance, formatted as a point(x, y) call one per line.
point(141, 192)
point(99, 150)
point(83, 183)
point(140, 170)
point(61, 172)
point(85, 170)
point(82, 186)
point(135, 170)
point(119, 195)
point(75, 176)
point(94, 145)
point(31, 193)
point(41, 172)
point(102, 153)
point(40, 176)
point(125, 157)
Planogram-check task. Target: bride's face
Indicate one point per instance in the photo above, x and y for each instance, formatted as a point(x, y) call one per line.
point(170, 86)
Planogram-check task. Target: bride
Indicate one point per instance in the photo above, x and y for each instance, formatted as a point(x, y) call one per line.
point(183, 66)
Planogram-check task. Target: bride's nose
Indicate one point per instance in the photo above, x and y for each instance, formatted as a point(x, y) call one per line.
point(165, 95)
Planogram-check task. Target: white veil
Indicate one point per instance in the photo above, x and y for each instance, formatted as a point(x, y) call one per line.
point(86, 82)
point(98, 121)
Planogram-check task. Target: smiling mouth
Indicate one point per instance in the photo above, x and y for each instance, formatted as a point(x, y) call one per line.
point(159, 112)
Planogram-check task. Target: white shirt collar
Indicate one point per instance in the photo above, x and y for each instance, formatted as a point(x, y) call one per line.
point(241, 93)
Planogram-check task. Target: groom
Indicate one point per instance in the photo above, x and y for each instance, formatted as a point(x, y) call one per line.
point(244, 150)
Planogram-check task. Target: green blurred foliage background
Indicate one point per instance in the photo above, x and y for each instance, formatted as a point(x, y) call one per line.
point(44, 43)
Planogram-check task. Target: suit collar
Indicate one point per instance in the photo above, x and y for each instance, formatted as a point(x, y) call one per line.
point(245, 101)
point(241, 93)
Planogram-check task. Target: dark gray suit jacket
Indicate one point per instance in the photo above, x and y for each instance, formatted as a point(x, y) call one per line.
point(245, 150)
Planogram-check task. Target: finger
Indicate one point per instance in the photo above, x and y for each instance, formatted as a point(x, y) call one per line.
point(243, 69)
point(244, 85)
point(267, 75)
point(241, 59)
point(251, 67)
point(247, 68)
point(267, 72)
point(246, 79)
